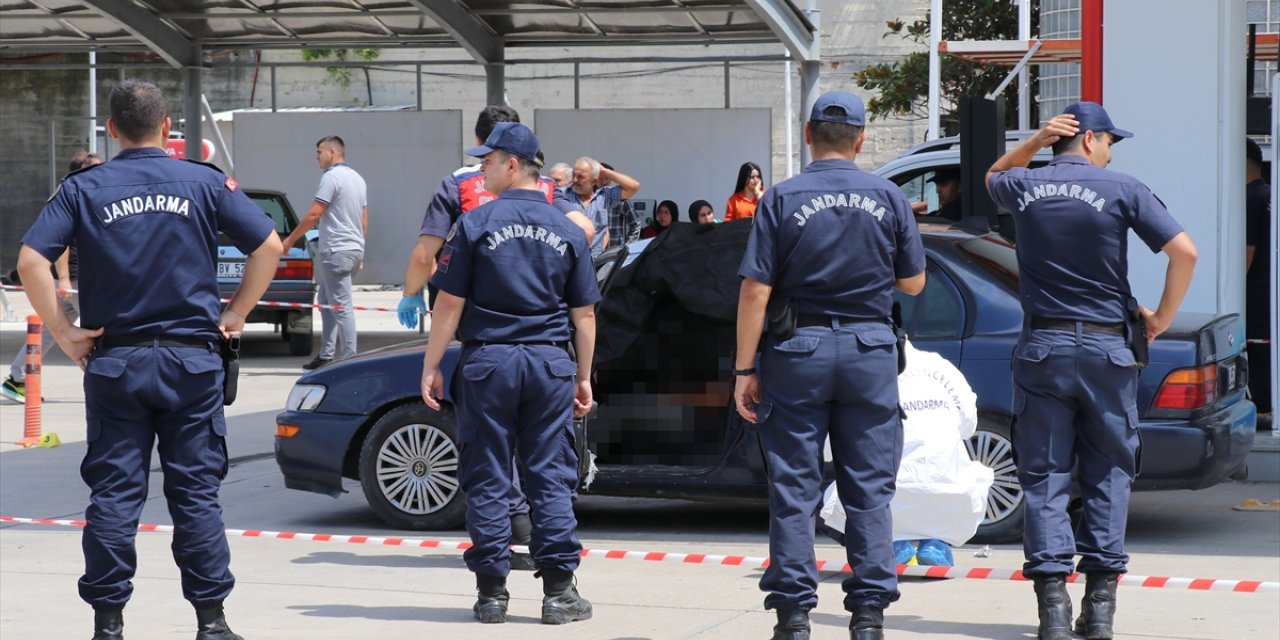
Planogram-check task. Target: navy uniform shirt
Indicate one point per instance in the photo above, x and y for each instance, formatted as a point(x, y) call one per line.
point(521, 265)
point(1073, 242)
point(834, 239)
point(146, 228)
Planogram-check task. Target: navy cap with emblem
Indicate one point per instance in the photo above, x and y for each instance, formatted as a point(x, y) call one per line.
point(511, 137)
point(851, 106)
point(1092, 117)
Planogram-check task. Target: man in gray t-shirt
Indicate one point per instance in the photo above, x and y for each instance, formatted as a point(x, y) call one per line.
point(341, 207)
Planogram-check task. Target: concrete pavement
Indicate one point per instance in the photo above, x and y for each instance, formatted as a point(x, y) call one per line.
point(305, 589)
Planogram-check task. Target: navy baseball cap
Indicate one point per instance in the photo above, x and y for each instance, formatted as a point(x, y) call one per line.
point(1092, 117)
point(511, 137)
point(854, 113)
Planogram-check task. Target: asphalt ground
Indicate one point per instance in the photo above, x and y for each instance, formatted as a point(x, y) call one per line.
point(289, 589)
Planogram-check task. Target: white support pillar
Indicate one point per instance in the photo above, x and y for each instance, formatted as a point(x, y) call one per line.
point(935, 70)
point(1024, 76)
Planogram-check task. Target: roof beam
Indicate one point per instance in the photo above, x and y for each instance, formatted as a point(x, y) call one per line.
point(796, 32)
point(161, 38)
point(485, 47)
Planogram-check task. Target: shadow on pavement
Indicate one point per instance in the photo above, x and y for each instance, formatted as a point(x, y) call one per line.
point(429, 561)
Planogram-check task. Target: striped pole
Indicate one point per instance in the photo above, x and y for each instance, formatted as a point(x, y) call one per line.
point(31, 411)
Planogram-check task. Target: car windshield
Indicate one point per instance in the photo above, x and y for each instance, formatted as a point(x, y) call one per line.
point(997, 256)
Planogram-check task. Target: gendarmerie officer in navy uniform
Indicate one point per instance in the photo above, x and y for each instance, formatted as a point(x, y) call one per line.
point(1074, 369)
point(146, 227)
point(513, 275)
point(832, 242)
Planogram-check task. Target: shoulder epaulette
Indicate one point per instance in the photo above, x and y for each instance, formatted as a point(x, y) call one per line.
point(207, 164)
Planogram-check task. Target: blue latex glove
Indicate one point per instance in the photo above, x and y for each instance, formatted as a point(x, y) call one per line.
point(410, 309)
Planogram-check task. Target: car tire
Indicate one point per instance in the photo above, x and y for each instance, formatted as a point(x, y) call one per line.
point(992, 445)
point(409, 469)
point(299, 344)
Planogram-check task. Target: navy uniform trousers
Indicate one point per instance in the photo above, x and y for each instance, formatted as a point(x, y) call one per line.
point(840, 380)
point(134, 398)
point(518, 398)
point(1075, 409)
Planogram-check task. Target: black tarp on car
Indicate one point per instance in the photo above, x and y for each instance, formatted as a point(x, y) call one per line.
point(694, 266)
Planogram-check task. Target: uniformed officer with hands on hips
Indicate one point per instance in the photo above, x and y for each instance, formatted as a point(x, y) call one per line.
point(1075, 368)
point(513, 274)
point(147, 228)
point(832, 243)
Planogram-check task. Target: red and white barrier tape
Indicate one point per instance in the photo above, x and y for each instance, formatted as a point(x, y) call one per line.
point(1127, 580)
point(263, 303)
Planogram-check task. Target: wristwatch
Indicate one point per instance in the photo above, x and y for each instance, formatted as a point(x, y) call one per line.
point(745, 372)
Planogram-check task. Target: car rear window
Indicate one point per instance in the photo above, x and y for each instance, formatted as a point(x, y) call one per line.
point(274, 206)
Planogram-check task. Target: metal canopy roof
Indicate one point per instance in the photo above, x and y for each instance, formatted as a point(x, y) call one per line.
point(178, 30)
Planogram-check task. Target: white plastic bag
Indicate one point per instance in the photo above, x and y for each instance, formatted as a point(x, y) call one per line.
point(942, 493)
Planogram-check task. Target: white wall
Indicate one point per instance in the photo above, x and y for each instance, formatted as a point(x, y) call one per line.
point(402, 156)
point(1176, 79)
point(676, 154)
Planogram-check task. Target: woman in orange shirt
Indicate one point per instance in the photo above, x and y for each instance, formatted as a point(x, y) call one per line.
point(742, 204)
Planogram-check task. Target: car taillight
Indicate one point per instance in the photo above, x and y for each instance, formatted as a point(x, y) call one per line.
point(294, 270)
point(1188, 388)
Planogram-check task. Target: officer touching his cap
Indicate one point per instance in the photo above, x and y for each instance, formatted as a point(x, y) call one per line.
point(832, 242)
point(513, 274)
point(147, 227)
point(1075, 370)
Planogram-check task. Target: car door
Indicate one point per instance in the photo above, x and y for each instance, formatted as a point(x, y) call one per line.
point(935, 319)
point(607, 265)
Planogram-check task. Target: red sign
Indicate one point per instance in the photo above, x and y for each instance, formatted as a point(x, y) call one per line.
point(177, 148)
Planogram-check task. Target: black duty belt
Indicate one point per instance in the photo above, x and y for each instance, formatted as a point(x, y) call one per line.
point(144, 340)
point(1104, 328)
point(824, 320)
point(470, 344)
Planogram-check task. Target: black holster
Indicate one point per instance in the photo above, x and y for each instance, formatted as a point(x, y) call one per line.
point(895, 319)
point(230, 368)
point(781, 318)
point(1136, 332)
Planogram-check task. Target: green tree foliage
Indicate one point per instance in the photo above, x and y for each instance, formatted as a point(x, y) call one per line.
point(902, 88)
point(340, 75)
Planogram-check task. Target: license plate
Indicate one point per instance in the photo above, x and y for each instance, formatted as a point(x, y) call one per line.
point(230, 269)
point(1231, 375)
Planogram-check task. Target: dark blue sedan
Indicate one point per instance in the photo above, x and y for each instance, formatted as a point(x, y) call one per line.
point(665, 427)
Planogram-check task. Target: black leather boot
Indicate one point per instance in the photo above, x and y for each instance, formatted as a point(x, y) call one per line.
point(867, 623)
point(491, 606)
point(1098, 608)
point(793, 624)
point(212, 625)
point(521, 533)
point(561, 603)
point(1055, 608)
point(108, 625)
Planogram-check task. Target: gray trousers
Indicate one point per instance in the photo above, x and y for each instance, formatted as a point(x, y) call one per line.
point(333, 276)
point(71, 307)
